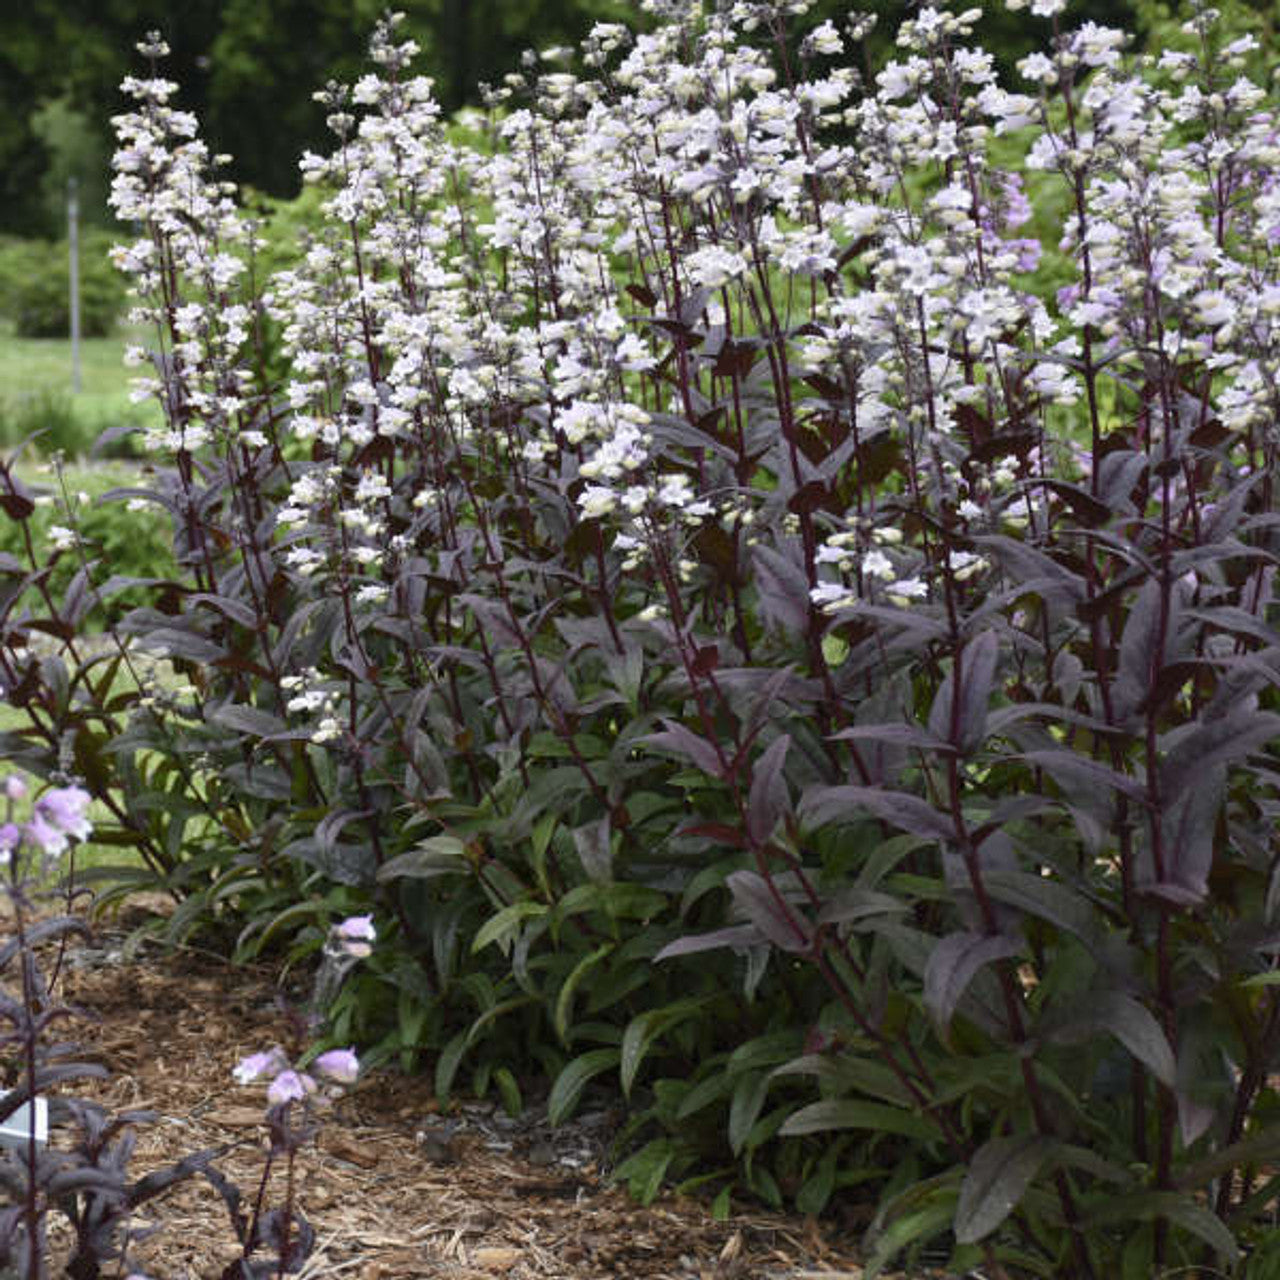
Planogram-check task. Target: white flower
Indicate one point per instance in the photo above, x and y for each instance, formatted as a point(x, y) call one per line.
point(876, 564)
point(905, 590)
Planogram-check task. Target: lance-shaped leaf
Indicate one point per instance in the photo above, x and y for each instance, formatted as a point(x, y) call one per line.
point(1138, 648)
point(1188, 825)
point(1181, 1210)
point(769, 799)
point(1203, 744)
point(998, 1176)
point(783, 588)
point(1081, 777)
point(782, 923)
point(1044, 898)
point(737, 935)
point(961, 718)
point(952, 966)
point(1131, 1022)
point(684, 742)
point(823, 805)
point(852, 1113)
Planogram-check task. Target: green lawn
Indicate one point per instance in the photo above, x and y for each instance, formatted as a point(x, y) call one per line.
point(35, 390)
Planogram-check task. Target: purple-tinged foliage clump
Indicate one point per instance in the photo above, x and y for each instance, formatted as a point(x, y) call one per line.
point(725, 501)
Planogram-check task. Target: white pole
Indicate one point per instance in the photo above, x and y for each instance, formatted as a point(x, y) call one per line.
point(73, 250)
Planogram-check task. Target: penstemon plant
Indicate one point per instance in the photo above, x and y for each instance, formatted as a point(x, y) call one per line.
point(718, 501)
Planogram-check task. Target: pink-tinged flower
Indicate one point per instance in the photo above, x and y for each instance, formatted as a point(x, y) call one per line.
point(10, 839)
point(49, 839)
point(14, 787)
point(65, 808)
point(257, 1065)
point(340, 1065)
point(355, 935)
point(290, 1086)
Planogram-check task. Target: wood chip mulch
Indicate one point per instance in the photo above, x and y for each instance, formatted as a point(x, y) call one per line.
point(393, 1188)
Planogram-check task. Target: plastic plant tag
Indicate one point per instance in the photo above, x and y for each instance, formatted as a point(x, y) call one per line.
point(15, 1130)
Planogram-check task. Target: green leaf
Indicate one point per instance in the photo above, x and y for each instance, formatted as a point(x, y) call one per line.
point(509, 1091)
point(564, 1000)
point(1255, 1149)
point(644, 1171)
point(447, 1065)
point(574, 1078)
point(911, 1228)
point(722, 1205)
point(999, 1173)
point(1148, 1206)
point(849, 1113)
point(430, 859)
point(744, 1109)
point(813, 1196)
point(646, 1027)
point(503, 927)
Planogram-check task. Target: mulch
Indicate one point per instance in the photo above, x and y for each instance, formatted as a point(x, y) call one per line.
point(394, 1187)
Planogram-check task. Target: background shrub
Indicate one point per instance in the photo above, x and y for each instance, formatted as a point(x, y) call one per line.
point(35, 293)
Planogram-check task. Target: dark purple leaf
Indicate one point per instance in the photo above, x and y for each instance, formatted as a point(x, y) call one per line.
point(963, 721)
point(998, 1176)
point(1045, 898)
point(823, 805)
point(784, 590)
point(1131, 1022)
point(952, 966)
point(684, 742)
point(1084, 506)
point(16, 506)
point(1139, 645)
point(769, 800)
point(1081, 777)
point(174, 642)
point(738, 935)
point(1188, 826)
point(782, 923)
point(1031, 569)
point(236, 610)
point(245, 719)
point(901, 735)
point(1194, 749)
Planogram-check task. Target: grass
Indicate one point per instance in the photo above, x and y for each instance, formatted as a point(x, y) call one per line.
point(35, 390)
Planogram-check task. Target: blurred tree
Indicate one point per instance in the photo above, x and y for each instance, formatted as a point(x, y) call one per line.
point(75, 148)
point(248, 68)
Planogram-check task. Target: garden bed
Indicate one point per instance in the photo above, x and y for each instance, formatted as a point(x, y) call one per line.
point(393, 1188)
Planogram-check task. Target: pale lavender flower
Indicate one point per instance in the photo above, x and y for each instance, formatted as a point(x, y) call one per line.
point(50, 840)
point(340, 1065)
point(65, 809)
point(290, 1086)
point(14, 787)
point(257, 1065)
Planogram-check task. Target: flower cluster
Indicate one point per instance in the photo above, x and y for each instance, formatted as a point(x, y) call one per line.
point(338, 1066)
point(59, 816)
point(348, 941)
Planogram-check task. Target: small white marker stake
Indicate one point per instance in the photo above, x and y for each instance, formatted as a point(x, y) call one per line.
point(15, 1130)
